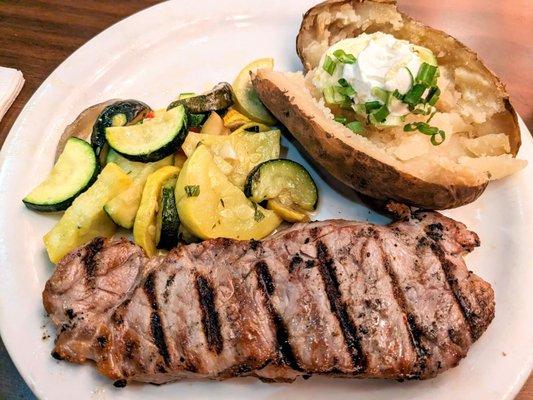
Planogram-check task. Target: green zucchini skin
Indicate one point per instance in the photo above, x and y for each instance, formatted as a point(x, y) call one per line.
point(170, 221)
point(257, 174)
point(176, 135)
point(133, 110)
point(63, 204)
point(217, 99)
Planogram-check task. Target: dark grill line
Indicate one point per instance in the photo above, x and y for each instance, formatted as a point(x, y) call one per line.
point(92, 249)
point(453, 286)
point(329, 277)
point(209, 315)
point(415, 333)
point(265, 283)
point(156, 327)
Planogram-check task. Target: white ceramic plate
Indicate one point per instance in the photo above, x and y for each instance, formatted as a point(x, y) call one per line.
point(188, 46)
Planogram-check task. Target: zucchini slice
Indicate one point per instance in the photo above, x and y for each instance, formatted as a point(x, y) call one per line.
point(168, 222)
point(120, 113)
point(218, 98)
point(75, 170)
point(282, 179)
point(145, 226)
point(153, 140)
point(123, 208)
point(85, 219)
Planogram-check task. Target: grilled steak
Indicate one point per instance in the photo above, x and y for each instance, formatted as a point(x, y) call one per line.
point(338, 298)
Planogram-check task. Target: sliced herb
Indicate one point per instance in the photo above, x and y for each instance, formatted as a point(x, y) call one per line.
point(433, 96)
point(426, 74)
point(329, 65)
point(437, 135)
point(344, 57)
point(412, 97)
point(258, 215)
point(192, 190)
point(381, 94)
point(371, 106)
point(381, 114)
point(340, 119)
point(355, 126)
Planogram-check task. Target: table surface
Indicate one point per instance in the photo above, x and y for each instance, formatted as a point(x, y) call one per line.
point(37, 35)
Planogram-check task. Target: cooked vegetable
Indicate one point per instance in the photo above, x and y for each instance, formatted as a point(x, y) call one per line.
point(153, 140)
point(168, 222)
point(214, 125)
point(236, 154)
point(85, 219)
point(123, 207)
point(288, 212)
point(74, 171)
point(220, 208)
point(386, 162)
point(234, 119)
point(218, 98)
point(246, 100)
point(284, 180)
point(82, 126)
point(145, 226)
point(120, 113)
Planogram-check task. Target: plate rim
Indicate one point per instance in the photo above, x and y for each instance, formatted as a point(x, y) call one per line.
point(12, 137)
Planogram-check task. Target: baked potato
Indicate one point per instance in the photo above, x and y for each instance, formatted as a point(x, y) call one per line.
point(477, 123)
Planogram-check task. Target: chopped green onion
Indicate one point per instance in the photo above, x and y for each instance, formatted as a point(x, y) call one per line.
point(426, 73)
point(355, 126)
point(332, 95)
point(340, 119)
point(431, 116)
point(344, 83)
point(397, 94)
point(442, 136)
point(437, 135)
point(347, 91)
point(329, 65)
point(192, 190)
point(381, 114)
point(433, 96)
point(381, 94)
point(344, 57)
point(372, 105)
point(414, 94)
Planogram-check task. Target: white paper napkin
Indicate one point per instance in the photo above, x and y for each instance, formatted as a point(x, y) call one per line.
point(11, 81)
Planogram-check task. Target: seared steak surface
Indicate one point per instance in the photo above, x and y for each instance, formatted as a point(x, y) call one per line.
point(339, 298)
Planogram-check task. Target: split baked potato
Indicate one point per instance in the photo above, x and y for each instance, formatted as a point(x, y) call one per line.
point(391, 163)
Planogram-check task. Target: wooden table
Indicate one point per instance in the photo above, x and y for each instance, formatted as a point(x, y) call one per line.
point(37, 35)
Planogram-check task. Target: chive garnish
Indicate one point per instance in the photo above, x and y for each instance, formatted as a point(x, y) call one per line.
point(340, 119)
point(344, 57)
point(437, 135)
point(412, 97)
point(192, 190)
point(381, 114)
point(371, 106)
point(426, 74)
point(433, 96)
point(355, 126)
point(329, 65)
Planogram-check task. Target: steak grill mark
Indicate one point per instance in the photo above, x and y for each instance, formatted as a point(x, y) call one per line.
point(156, 327)
point(329, 277)
point(92, 249)
point(453, 285)
point(265, 283)
point(415, 333)
point(209, 315)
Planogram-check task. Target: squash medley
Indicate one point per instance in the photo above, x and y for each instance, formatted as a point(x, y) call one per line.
point(201, 168)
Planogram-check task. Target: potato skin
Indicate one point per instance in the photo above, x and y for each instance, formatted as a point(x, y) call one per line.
point(352, 167)
point(309, 32)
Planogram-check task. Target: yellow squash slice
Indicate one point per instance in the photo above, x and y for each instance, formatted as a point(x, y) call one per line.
point(210, 206)
point(145, 226)
point(86, 219)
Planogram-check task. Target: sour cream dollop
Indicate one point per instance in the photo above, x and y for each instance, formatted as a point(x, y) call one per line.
point(382, 61)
